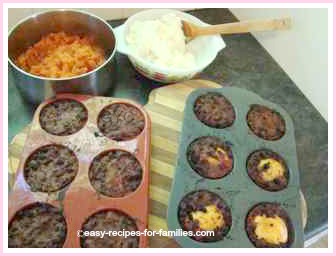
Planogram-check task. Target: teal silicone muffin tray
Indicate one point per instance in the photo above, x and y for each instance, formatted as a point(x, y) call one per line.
point(237, 189)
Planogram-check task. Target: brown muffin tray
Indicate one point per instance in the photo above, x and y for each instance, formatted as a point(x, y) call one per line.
point(79, 200)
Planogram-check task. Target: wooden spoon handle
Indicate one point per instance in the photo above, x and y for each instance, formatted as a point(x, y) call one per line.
point(245, 27)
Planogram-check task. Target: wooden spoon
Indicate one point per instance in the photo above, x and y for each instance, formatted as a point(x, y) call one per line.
point(190, 30)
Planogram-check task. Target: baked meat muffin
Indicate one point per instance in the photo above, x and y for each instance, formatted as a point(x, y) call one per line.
point(266, 123)
point(63, 117)
point(204, 211)
point(50, 168)
point(38, 225)
point(214, 110)
point(268, 225)
point(115, 173)
point(109, 220)
point(268, 170)
point(210, 157)
point(121, 121)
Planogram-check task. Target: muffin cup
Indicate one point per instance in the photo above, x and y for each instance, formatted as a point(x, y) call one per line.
point(30, 217)
point(269, 210)
point(237, 189)
point(79, 199)
point(252, 165)
point(194, 202)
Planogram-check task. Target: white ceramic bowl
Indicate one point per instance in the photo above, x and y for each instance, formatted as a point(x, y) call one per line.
point(205, 49)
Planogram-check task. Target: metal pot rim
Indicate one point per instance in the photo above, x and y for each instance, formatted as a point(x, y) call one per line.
point(72, 77)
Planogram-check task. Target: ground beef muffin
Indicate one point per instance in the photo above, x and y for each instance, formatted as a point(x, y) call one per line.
point(38, 225)
point(204, 211)
point(268, 170)
point(115, 173)
point(214, 110)
point(210, 157)
point(121, 121)
point(268, 225)
point(109, 220)
point(63, 117)
point(266, 123)
point(50, 168)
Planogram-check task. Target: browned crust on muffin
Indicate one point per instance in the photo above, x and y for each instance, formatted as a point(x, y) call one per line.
point(210, 157)
point(50, 168)
point(115, 173)
point(265, 122)
point(214, 110)
point(38, 225)
point(120, 121)
point(109, 220)
point(63, 117)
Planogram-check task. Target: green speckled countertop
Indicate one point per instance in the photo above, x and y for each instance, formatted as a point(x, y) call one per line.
point(243, 63)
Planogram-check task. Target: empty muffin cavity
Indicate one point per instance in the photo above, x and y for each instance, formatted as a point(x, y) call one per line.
point(63, 117)
point(268, 225)
point(120, 121)
point(205, 211)
point(38, 225)
point(266, 123)
point(110, 220)
point(210, 157)
point(214, 110)
point(115, 173)
point(50, 168)
point(268, 170)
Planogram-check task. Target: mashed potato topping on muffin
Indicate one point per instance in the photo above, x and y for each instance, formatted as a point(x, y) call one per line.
point(272, 229)
point(211, 219)
point(271, 169)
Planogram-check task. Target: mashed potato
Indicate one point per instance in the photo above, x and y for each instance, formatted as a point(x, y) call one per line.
point(161, 41)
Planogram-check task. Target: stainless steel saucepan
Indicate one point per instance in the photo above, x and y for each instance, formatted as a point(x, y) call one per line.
point(30, 30)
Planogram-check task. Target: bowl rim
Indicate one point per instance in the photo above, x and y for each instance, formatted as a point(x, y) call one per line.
point(153, 68)
point(71, 77)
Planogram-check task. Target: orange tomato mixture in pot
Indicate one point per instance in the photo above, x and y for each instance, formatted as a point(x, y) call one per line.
point(60, 55)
